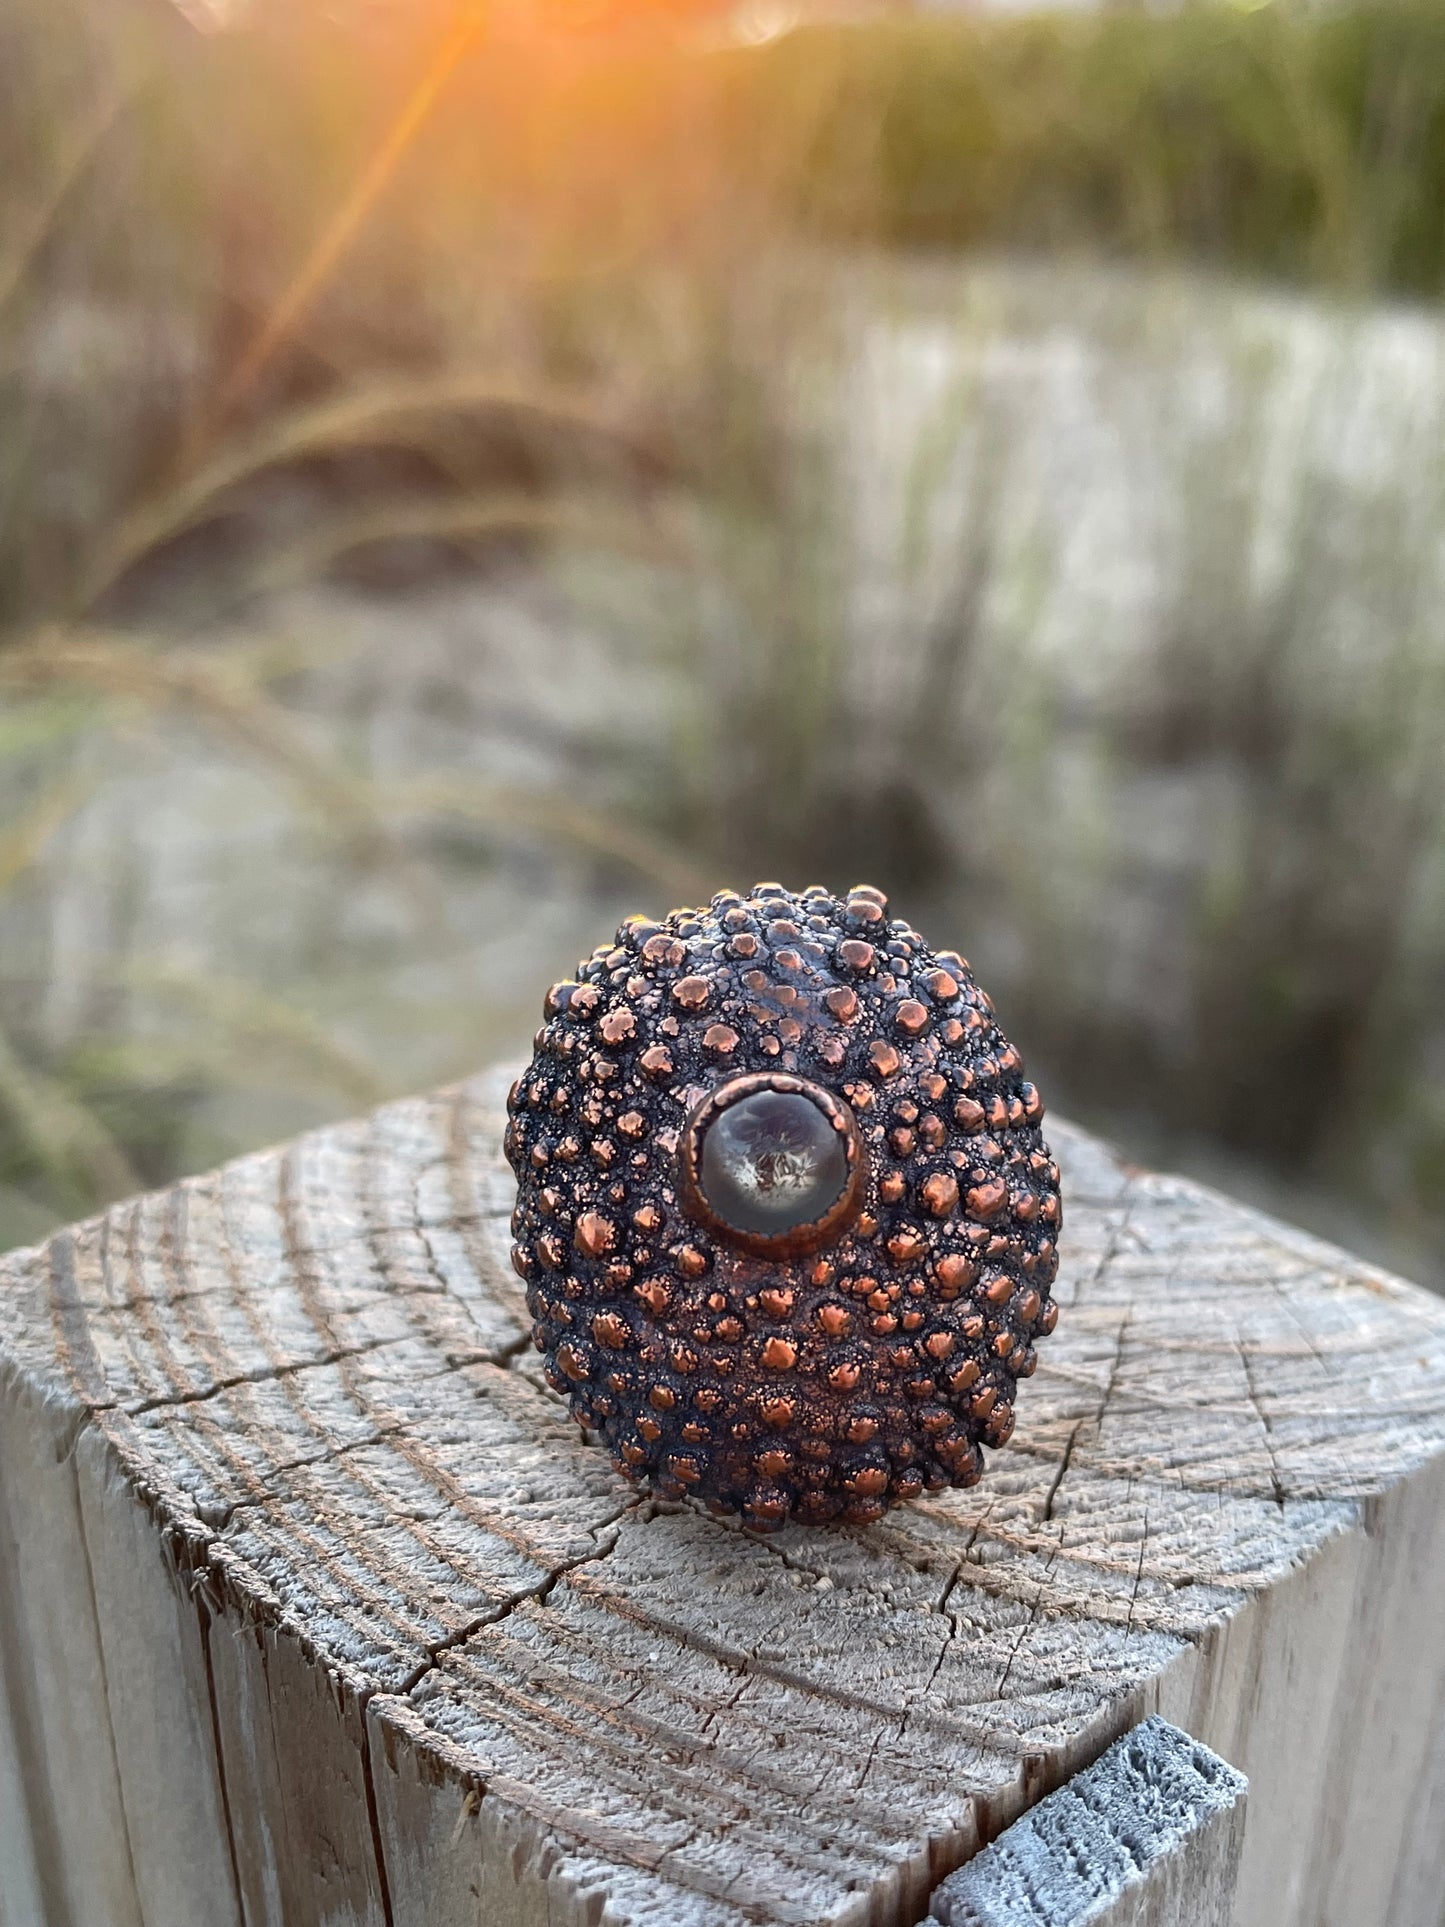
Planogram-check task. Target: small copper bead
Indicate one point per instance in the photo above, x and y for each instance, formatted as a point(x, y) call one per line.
point(594, 1234)
point(871, 1479)
point(986, 1200)
point(954, 1272)
point(940, 1194)
point(663, 951)
point(617, 1026)
point(654, 1294)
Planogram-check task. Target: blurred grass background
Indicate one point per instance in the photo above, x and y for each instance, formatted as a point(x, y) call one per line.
point(467, 474)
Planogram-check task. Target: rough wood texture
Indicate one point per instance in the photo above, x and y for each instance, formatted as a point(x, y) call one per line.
point(313, 1609)
point(1148, 1836)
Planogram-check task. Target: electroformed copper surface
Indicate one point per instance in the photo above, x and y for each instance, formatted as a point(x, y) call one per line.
point(829, 1311)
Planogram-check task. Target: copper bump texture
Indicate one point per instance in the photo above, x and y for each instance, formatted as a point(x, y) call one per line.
point(785, 1216)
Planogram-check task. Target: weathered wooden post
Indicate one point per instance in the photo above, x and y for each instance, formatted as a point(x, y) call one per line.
point(313, 1608)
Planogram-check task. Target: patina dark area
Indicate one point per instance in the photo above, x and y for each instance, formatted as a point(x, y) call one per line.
point(860, 1360)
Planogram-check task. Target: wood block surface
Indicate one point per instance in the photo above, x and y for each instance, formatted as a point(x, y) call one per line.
point(313, 1602)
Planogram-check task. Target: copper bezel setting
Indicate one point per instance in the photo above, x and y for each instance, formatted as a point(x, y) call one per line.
point(798, 1240)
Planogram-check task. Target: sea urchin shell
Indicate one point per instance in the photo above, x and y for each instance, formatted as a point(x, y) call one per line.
point(784, 1214)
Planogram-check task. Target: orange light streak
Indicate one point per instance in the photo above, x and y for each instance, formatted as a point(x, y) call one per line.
point(336, 238)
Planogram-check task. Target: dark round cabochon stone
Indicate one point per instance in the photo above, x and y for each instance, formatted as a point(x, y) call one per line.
point(771, 1162)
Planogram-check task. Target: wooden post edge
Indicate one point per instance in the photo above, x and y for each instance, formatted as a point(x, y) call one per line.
point(1148, 1836)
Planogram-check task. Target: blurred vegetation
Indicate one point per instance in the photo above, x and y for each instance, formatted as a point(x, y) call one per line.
point(1302, 143)
point(365, 307)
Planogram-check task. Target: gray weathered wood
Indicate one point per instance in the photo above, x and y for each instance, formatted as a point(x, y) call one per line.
point(1148, 1836)
point(312, 1604)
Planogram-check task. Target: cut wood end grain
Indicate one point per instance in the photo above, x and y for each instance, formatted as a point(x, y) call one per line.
point(1149, 1835)
point(394, 1578)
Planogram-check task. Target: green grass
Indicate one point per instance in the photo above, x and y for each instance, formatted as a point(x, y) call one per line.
point(1303, 145)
